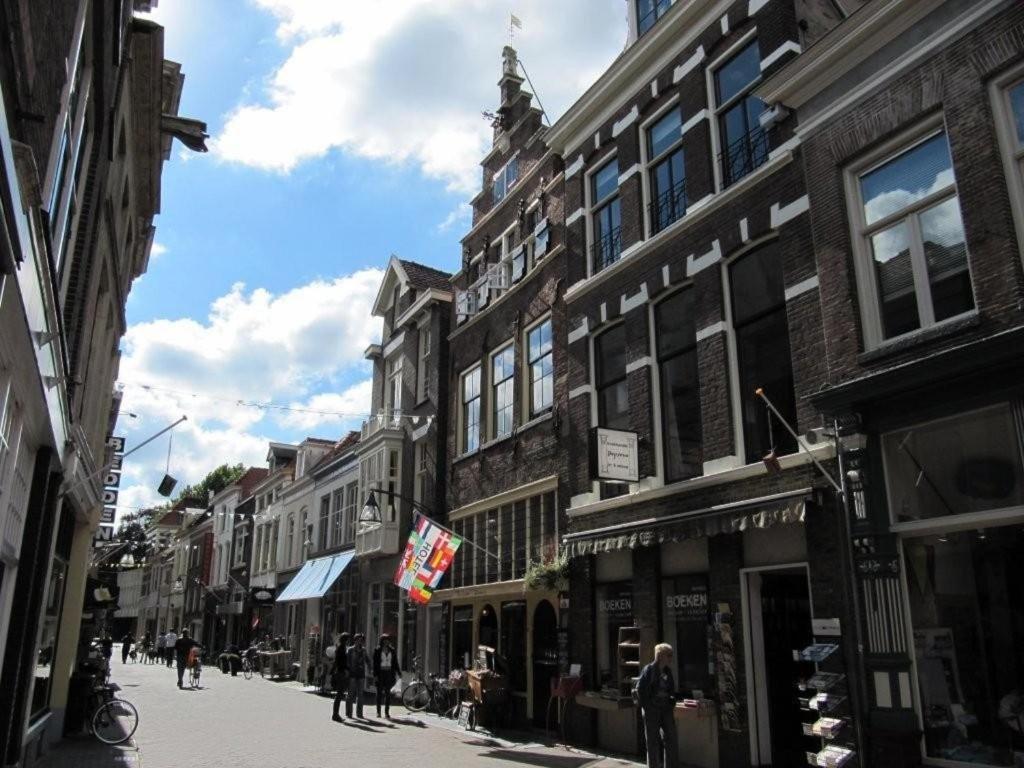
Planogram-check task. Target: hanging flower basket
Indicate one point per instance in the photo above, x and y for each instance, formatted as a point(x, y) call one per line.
point(552, 575)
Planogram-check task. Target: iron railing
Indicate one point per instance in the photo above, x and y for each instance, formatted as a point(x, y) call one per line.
point(607, 249)
point(743, 156)
point(667, 207)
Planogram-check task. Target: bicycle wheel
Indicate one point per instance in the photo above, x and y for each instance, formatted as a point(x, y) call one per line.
point(416, 696)
point(115, 721)
point(246, 670)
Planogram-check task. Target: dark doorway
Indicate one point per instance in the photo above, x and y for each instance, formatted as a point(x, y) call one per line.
point(545, 657)
point(488, 629)
point(462, 637)
point(785, 626)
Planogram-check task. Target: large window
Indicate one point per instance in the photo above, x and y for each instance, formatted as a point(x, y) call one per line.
point(1008, 102)
point(351, 506)
point(606, 217)
point(423, 358)
point(744, 143)
point(684, 617)
point(912, 254)
point(541, 361)
point(614, 610)
point(505, 179)
point(762, 349)
point(325, 523)
point(503, 390)
point(395, 385)
point(610, 374)
point(648, 12)
point(680, 386)
point(968, 463)
point(471, 410)
point(337, 517)
point(667, 174)
point(967, 613)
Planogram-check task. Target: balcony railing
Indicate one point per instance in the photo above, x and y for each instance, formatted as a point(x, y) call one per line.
point(606, 250)
point(667, 207)
point(378, 539)
point(743, 156)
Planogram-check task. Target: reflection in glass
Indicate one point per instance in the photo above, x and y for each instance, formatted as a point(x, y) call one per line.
point(946, 254)
point(922, 170)
point(894, 271)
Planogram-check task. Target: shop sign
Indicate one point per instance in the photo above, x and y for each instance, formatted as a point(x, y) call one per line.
point(689, 604)
point(261, 595)
point(617, 604)
point(107, 515)
point(104, 533)
point(614, 455)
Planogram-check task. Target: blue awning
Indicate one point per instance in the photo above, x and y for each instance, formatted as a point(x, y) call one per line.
point(316, 577)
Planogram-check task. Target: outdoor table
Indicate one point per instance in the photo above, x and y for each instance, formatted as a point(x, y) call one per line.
point(275, 663)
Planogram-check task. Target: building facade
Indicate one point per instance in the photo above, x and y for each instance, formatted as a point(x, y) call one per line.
point(507, 435)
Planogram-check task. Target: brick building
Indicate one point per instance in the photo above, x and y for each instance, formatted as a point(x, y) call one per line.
point(693, 516)
point(911, 131)
point(506, 431)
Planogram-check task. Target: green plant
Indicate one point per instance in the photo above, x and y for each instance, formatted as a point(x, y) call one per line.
point(552, 574)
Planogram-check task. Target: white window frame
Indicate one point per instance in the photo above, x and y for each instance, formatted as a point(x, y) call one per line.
point(492, 420)
point(423, 352)
point(394, 391)
point(502, 173)
point(462, 442)
point(646, 159)
point(867, 283)
point(590, 205)
point(715, 108)
point(1011, 150)
point(420, 470)
point(527, 401)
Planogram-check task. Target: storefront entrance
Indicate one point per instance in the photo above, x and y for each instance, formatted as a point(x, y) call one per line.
point(778, 617)
point(545, 657)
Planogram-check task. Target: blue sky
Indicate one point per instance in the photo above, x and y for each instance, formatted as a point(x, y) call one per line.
point(341, 132)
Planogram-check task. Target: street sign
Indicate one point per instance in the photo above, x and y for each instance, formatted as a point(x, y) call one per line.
point(614, 455)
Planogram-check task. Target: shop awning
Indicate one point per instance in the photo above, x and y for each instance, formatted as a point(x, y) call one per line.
point(316, 577)
point(726, 518)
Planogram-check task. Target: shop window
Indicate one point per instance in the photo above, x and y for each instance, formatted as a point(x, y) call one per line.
point(338, 517)
point(667, 174)
point(909, 240)
point(967, 463)
point(614, 610)
point(684, 619)
point(462, 637)
point(762, 350)
point(744, 143)
point(410, 613)
point(513, 642)
point(606, 216)
point(680, 386)
point(488, 627)
point(966, 609)
point(610, 375)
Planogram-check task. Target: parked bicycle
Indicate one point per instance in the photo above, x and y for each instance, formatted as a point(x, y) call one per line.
point(111, 720)
point(433, 693)
point(247, 667)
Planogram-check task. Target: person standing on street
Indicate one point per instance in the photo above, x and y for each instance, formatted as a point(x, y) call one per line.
point(126, 646)
point(357, 664)
point(385, 672)
point(182, 648)
point(339, 674)
point(656, 694)
point(161, 639)
point(169, 640)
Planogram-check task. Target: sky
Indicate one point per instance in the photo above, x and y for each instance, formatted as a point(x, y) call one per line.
point(341, 132)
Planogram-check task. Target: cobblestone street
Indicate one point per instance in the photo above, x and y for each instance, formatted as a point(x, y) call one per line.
point(232, 721)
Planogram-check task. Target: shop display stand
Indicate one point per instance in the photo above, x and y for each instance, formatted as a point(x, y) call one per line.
point(628, 658)
point(825, 703)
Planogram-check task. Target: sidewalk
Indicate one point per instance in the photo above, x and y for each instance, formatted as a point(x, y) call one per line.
point(86, 752)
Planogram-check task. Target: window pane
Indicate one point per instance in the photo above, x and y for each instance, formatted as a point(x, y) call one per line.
point(895, 274)
point(764, 361)
point(606, 181)
point(610, 348)
point(668, 191)
point(908, 177)
point(613, 405)
point(681, 427)
point(965, 608)
point(946, 255)
point(674, 321)
point(664, 133)
point(738, 73)
point(968, 463)
point(614, 609)
point(757, 284)
point(1017, 105)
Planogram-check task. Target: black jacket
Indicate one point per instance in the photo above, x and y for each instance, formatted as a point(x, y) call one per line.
point(357, 661)
point(647, 685)
point(340, 665)
point(396, 670)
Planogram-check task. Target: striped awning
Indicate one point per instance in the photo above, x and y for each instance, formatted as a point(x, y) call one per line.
point(316, 577)
point(729, 518)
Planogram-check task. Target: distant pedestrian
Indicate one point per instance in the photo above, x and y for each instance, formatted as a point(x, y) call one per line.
point(656, 694)
point(339, 674)
point(357, 665)
point(169, 640)
point(182, 650)
point(385, 672)
point(126, 646)
point(161, 644)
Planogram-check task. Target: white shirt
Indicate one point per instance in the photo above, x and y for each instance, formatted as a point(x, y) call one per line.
point(385, 659)
point(170, 639)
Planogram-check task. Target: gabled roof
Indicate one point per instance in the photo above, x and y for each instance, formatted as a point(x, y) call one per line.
point(422, 276)
point(250, 479)
point(410, 274)
point(345, 444)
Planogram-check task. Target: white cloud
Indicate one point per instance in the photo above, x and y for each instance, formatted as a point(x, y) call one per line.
point(302, 347)
point(462, 213)
point(157, 250)
point(405, 82)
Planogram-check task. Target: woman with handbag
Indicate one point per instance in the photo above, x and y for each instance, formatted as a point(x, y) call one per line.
point(385, 672)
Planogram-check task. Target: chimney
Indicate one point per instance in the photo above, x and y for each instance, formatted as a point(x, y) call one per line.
point(510, 80)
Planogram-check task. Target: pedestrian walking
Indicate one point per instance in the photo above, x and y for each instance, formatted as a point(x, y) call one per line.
point(182, 649)
point(655, 692)
point(126, 646)
point(161, 645)
point(169, 640)
point(146, 647)
point(339, 675)
point(358, 661)
point(385, 671)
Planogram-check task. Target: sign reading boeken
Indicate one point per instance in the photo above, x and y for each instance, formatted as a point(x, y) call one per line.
point(111, 482)
point(615, 455)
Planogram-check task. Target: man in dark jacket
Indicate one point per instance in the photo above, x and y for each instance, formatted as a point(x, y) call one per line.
point(385, 672)
point(339, 675)
point(126, 647)
point(182, 646)
point(358, 661)
point(656, 694)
